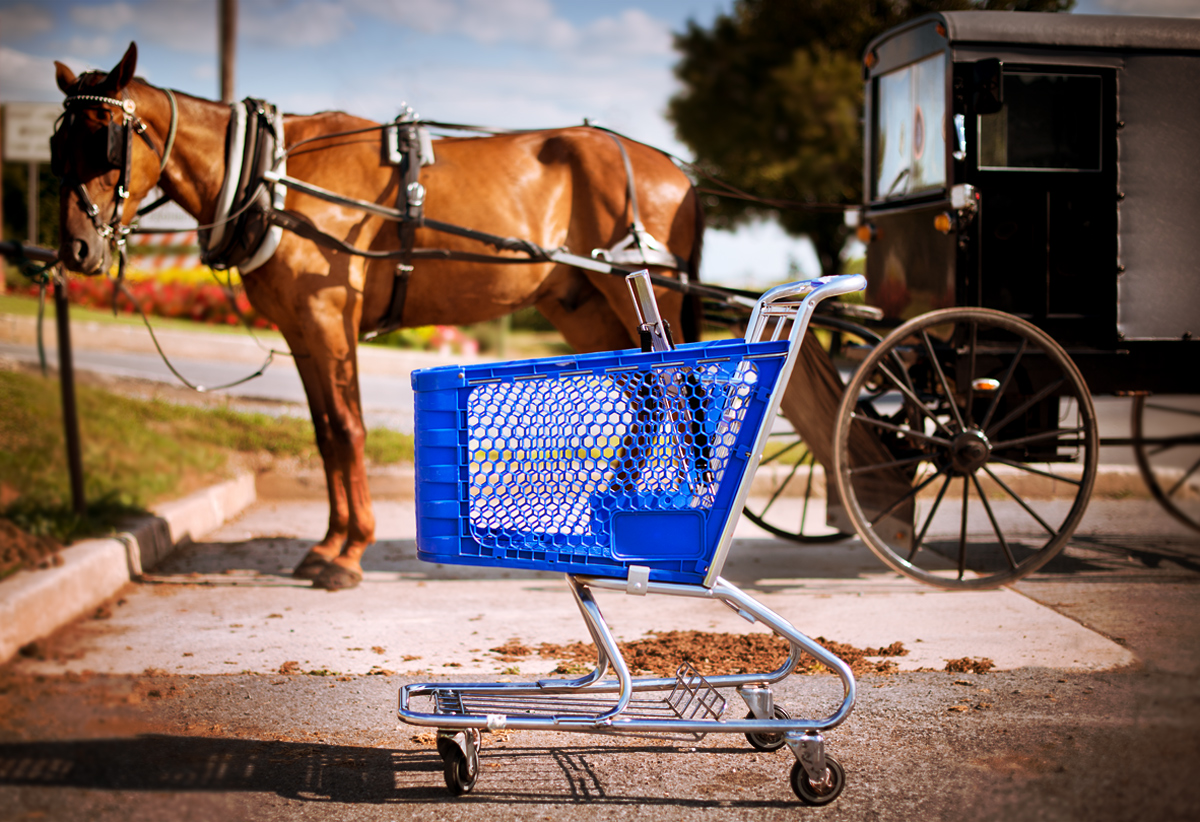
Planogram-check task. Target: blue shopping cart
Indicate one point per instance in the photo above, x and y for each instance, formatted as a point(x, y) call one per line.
point(625, 471)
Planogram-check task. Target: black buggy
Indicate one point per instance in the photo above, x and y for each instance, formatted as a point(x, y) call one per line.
point(1028, 209)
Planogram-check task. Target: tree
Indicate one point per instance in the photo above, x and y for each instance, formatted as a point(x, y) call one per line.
point(772, 104)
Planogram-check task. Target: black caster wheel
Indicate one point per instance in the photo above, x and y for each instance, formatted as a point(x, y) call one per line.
point(767, 741)
point(461, 770)
point(811, 794)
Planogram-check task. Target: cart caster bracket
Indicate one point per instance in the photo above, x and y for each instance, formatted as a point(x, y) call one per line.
point(809, 750)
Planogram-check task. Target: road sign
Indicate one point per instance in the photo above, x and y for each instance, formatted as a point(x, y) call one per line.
point(27, 131)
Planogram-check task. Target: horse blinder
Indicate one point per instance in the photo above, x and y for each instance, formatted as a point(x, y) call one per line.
point(103, 150)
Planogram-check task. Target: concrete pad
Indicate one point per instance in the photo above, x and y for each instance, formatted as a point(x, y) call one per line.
point(228, 606)
point(36, 603)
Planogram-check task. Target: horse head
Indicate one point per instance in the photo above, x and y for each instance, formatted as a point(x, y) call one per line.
point(103, 171)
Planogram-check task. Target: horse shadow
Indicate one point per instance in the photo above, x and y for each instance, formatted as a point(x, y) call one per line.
point(314, 772)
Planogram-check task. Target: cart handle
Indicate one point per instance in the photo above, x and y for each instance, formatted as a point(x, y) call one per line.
point(784, 297)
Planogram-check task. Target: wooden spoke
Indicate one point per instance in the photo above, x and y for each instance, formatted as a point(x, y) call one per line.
point(929, 519)
point(999, 392)
point(1025, 406)
point(937, 367)
point(908, 432)
point(987, 506)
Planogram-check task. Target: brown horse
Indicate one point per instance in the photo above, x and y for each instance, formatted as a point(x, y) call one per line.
point(560, 188)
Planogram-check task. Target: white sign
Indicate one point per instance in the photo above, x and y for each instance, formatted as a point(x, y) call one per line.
point(27, 131)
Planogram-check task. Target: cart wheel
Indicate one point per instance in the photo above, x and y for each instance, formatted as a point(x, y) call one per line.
point(811, 794)
point(460, 770)
point(789, 512)
point(983, 421)
point(767, 741)
point(1166, 442)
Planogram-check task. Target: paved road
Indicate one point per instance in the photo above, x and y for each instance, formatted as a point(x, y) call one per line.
point(170, 706)
point(386, 390)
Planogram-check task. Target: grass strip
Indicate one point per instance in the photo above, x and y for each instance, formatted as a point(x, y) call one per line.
point(135, 452)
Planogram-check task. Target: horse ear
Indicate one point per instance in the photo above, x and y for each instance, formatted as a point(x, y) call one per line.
point(123, 71)
point(64, 76)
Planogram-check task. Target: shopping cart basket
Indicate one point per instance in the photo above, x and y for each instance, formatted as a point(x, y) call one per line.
point(625, 471)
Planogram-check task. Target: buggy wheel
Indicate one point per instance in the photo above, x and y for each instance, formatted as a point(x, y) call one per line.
point(767, 741)
point(966, 448)
point(1166, 442)
point(461, 770)
point(811, 794)
point(791, 502)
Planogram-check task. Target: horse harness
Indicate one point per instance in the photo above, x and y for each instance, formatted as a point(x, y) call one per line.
point(408, 146)
point(250, 216)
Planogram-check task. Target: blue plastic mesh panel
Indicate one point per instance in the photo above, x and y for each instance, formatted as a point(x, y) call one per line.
point(550, 459)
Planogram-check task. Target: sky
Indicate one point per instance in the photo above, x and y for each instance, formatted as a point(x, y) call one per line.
point(504, 63)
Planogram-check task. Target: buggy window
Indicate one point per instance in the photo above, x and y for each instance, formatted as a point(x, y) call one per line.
point(1049, 122)
point(910, 129)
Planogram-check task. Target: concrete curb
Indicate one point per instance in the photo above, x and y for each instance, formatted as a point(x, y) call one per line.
point(34, 604)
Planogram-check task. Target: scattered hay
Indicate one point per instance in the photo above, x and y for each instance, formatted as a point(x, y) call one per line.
point(969, 665)
point(21, 550)
point(715, 654)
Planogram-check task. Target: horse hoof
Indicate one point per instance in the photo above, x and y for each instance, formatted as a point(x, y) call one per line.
point(337, 578)
point(311, 567)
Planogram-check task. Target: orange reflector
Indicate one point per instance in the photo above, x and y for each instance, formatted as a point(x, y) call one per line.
point(865, 233)
point(943, 222)
point(985, 385)
point(871, 59)
point(941, 30)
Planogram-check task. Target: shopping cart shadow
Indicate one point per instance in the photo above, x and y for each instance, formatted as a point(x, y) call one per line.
point(342, 774)
point(755, 564)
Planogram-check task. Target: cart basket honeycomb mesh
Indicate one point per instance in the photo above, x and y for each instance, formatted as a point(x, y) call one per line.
point(589, 464)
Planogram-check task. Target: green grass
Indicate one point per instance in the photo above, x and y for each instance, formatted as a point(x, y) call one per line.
point(135, 452)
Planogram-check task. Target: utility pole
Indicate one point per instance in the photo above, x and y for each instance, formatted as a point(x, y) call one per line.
point(227, 37)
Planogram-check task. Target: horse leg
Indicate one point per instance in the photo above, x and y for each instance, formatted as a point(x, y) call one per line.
point(331, 384)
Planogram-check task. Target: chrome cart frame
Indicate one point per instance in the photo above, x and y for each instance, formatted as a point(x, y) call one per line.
point(689, 705)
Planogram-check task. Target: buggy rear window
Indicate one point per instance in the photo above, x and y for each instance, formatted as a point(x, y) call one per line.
point(910, 129)
point(1049, 122)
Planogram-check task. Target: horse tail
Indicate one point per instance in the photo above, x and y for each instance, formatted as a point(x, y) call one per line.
point(692, 318)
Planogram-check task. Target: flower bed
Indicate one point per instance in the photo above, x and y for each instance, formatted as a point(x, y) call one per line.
point(192, 294)
point(197, 301)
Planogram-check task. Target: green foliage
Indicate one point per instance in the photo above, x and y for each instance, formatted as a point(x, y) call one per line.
point(16, 204)
point(772, 102)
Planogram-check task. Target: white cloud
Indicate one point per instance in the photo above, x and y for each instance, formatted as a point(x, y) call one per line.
point(309, 23)
point(426, 16)
point(27, 78)
point(111, 17)
point(91, 45)
point(633, 32)
point(204, 71)
point(184, 25)
point(24, 20)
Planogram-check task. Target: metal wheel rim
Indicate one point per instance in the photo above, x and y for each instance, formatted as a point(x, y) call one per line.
point(759, 517)
point(1089, 434)
point(1147, 470)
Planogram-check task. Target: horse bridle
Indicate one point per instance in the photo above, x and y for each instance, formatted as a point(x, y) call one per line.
point(118, 154)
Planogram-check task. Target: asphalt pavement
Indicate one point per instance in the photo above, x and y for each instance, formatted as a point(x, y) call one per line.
point(217, 687)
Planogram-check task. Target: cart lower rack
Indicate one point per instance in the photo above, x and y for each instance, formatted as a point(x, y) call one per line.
point(626, 471)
